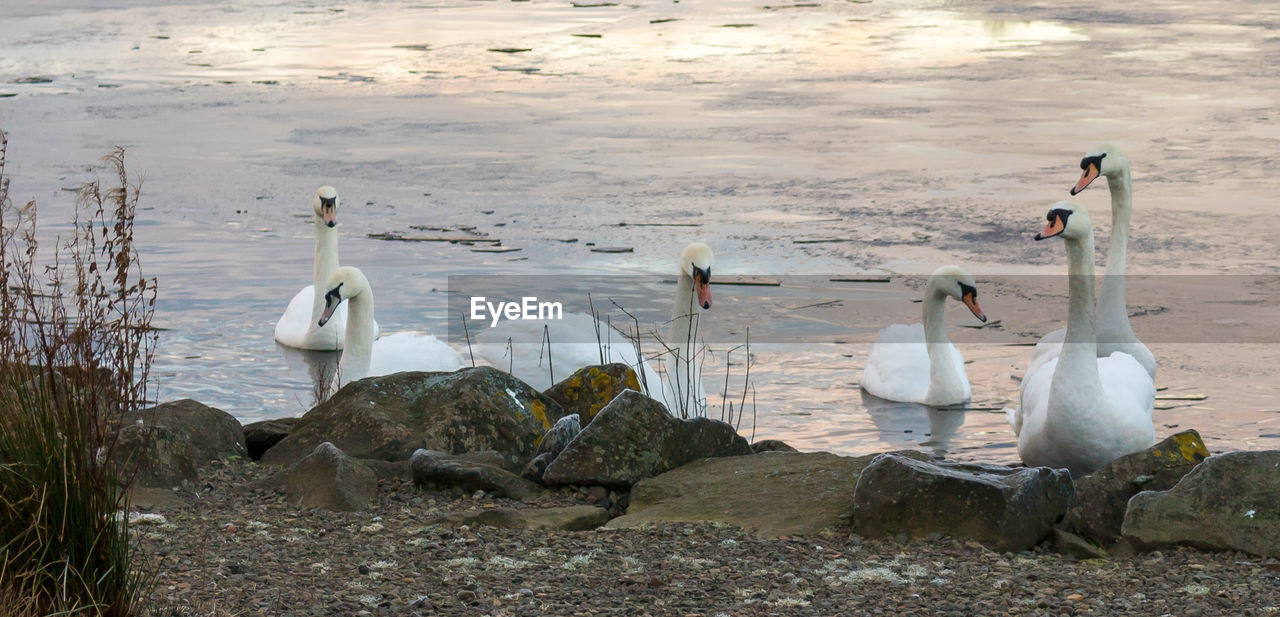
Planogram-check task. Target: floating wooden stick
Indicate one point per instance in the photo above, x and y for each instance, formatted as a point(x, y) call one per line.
point(741, 280)
point(625, 224)
point(817, 304)
point(979, 326)
point(454, 239)
point(749, 281)
point(1182, 397)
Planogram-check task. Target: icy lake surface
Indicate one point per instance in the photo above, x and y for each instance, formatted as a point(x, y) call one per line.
point(833, 139)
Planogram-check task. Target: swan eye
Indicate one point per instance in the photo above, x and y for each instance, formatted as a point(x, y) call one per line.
point(1096, 161)
point(968, 290)
point(333, 296)
point(703, 273)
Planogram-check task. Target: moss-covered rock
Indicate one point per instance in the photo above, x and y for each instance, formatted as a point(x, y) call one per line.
point(634, 438)
point(390, 417)
point(590, 388)
point(772, 494)
point(167, 445)
point(1228, 502)
point(552, 444)
point(329, 479)
point(1097, 512)
point(260, 436)
point(1004, 508)
point(772, 445)
point(468, 473)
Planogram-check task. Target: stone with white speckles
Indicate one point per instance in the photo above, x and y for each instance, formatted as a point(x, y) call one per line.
point(1228, 502)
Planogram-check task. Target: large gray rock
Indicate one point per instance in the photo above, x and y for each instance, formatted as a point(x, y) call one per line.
point(329, 479)
point(391, 416)
point(552, 444)
point(168, 444)
point(771, 494)
point(560, 435)
point(1097, 511)
point(1228, 502)
point(590, 388)
point(634, 438)
point(699, 438)
point(1004, 508)
point(469, 474)
point(260, 436)
point(151, 498)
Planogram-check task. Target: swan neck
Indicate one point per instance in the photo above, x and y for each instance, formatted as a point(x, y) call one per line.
point(357, 352)
point(326, 261)
point(942, 370)
point(1081, 325)
point(1121, 188)
point(683, 314)
point(1113, 313)
point(682, 372)
point(1076, 378)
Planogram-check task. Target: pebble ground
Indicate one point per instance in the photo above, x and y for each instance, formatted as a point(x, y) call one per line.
point(233, 551)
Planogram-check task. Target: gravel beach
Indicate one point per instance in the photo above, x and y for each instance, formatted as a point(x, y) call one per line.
point(228, 550)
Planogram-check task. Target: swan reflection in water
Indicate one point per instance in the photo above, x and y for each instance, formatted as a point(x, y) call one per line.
point(930, 427)
point(322, 371)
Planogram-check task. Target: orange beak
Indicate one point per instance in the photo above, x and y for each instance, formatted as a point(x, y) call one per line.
point(703, 287)
point(1090, 174)
point(1052, 228)
point(971, 301)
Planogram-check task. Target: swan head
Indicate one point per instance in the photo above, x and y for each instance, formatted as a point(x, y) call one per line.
point(326, 205)
point(959, 284)
point(1067, 219)
point(695, 262)
point(344, 284)
point(1105, 160)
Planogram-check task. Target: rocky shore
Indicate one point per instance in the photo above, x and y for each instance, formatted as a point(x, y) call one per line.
point(471, 493)
point(232, 550)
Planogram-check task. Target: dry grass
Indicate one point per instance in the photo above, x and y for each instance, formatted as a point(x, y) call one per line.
point(75, 350)
point(690, 356)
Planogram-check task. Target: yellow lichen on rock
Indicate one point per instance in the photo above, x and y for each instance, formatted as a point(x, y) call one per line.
point(1189, 448)
point(1192, 447)
point(540, 413)
point(604, 388)
point(589, 389)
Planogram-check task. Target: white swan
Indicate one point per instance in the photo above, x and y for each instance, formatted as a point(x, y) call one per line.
point(517, 345)
point(1080, 411)
point(365, 357)
point(298, 326)
point(1114, 332)
point(918, 363)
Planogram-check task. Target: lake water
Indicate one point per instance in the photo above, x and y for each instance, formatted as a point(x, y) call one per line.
point(803, 143)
